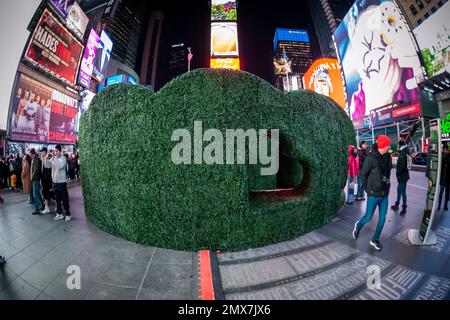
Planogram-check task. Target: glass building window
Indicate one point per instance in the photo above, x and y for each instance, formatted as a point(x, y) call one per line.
point(420, 4)
point(413, 9)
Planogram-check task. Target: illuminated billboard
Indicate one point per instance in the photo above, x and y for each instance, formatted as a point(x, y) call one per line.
point(42, 114)
point(102, 57)
point(223, 10)
point(225, 63)
point(87, 63)
point(54, 49)
point(433, 38)
point(378, 58)
point(282, 66)
point(224, 39)
point(324, 77)
point(77, 20)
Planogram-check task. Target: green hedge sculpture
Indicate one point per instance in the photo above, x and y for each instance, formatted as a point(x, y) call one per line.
point(132, 188)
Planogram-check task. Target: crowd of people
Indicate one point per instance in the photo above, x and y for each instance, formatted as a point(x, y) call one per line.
point(43, 177)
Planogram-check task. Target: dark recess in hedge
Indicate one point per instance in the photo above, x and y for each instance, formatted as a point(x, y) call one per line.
point(132, 189)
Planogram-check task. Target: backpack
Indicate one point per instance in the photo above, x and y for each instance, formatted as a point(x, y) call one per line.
point(409, 162)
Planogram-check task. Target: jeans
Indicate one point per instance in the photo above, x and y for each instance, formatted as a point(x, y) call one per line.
point(30, 195)
point(360, 193)
point(401, 192)
point(351, 190)
point(441, 192)
point(46, 186)
point(37, 194)
point(372, 203)
point(62, 196)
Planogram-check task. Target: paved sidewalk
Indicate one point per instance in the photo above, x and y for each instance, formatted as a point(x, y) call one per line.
point(324, 264)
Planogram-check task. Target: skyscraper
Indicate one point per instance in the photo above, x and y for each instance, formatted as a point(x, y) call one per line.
point(327, 14)
point(178, 62)
point(417, 11)
point(151, 50)
point(224, 35)
point(292, 57)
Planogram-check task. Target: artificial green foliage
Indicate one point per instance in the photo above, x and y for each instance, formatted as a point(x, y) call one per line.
point(132, 188)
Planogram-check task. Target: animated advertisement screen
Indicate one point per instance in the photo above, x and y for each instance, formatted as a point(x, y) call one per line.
point(324, 77)
point(87, 63)
point(224, 39)
point(102, 57)
point(433, 38)
point(223, 10)
point(54, 49)
point(378, 57)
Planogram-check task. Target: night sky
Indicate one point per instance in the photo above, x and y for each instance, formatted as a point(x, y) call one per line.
point(189, 23)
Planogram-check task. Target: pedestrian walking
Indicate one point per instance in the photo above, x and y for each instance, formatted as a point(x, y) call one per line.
point(402, 174)
point(362, 153)
point(59, 178)
point(377, 186)
point(352, 173)
point(26, 178)
point(36, 174)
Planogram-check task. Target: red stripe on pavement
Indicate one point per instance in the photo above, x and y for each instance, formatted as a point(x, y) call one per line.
point(206, 280)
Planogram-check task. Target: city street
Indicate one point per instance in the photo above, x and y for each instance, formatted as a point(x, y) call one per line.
point(323, 264)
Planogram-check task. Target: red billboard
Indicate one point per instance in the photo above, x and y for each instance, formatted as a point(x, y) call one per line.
point(54, 49)
point(42, 114)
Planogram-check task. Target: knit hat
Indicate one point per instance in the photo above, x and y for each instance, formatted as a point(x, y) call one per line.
point(383, 141)
point(33, 152)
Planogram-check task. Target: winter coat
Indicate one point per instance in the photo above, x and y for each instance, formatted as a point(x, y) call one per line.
point(26, 178)
point(36, 169)
point(402, 172)
point(362, 153)
point(372, 177)
point(445, 169)
point(352, 162)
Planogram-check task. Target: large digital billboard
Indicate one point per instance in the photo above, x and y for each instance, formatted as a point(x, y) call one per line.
point(378, 57)
point(102, 57)
point(87, 63)
point(226, 63)
point(324, 77)
point(224, 39)
point(77, 20)
point(54, 49)
point(42, 114)
point(61, 7)
point(433, 38)
point(223, 10)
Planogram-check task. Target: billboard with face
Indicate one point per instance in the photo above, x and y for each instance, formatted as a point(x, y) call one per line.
point(224, 39)
point(62, 128)
point(324, 77)
point(54, 49)
point(433, 38)
point(87, 63)
point(102, 57)
point(223, 10)
point(378, 58)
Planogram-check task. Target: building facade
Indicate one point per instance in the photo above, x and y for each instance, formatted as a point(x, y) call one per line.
point(292, 57)
point(417, 11)
point(178, 63)
point(327, 14)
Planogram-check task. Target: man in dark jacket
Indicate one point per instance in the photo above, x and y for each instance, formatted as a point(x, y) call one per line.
point(362, 157)
point(402, 177)
point(377, 187)
point(445, 178)
point(36, 174)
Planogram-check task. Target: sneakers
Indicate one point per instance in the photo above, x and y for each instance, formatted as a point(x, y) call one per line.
point(68, 218)
point(46, 210)
point(58, 217)
point(395, 207)
point(355, 232)
point(403, 212)
point(376, 245)
point(36, 212)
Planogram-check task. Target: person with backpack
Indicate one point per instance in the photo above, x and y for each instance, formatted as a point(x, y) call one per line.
point(444, 183)
point(377, 185)
point(402, 173)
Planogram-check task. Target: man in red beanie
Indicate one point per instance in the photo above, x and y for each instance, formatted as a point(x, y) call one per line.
point(377, 187)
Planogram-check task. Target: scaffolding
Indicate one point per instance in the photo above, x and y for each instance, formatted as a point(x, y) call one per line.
point(401, 129)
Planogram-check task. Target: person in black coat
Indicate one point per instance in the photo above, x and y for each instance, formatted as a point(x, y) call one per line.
point(445, 178)
point(402, 177)
point(362, 152)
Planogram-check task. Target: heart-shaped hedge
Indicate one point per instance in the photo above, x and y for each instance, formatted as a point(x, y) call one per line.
point(132, 188)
